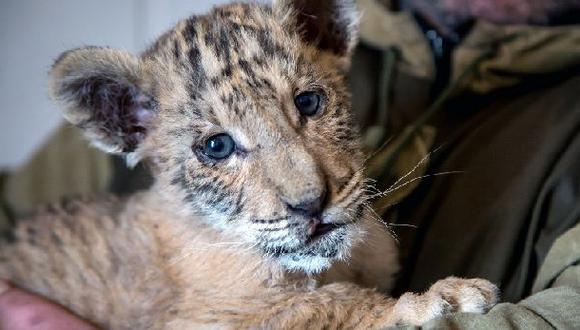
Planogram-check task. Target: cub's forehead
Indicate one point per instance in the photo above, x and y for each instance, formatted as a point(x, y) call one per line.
point(239, 36)
point(234, 58)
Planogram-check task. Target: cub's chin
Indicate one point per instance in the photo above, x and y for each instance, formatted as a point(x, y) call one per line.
point(319, 253)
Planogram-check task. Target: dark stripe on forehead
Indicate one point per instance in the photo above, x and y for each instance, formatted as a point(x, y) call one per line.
point(197, 78)
point(257, 81)
point(259, 61)
point(194, 56)
point(240, 27)
point(236, 101)
point(232, 98)
point(246, 67)
point(222, 40)
point(190, 29)
point(223, 12)
point(176, 50)
point(269, 46)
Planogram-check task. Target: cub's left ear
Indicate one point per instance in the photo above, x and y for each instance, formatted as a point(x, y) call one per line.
point(330, 25)
point(101, 91)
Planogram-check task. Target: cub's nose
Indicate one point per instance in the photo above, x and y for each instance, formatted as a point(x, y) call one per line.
point(310, 204)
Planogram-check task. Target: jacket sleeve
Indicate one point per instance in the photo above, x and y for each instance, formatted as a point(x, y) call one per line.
point(555, 303)
point(556, 308)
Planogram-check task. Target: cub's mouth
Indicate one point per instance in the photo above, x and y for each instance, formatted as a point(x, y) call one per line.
point(312, 239)
point(309, 244)
point(317, 229)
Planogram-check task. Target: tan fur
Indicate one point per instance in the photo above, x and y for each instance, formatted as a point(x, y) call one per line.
point(218, 243)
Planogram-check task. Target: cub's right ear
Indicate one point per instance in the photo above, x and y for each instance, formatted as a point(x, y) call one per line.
point(101, 91)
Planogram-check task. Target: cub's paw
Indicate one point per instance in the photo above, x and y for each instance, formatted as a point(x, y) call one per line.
point(447, 296)
point(466, 295)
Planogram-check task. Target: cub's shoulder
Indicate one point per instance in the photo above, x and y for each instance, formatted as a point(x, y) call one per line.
point(76, 219)
point(95, 248)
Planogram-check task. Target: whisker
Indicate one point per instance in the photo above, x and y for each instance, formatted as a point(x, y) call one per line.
point(275, 220)
point(403, 225)
point(279, 228)
point(421, 162)
point(393, 188)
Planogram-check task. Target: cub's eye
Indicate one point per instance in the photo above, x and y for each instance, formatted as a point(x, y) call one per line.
point(308, 103)
point(219, 146)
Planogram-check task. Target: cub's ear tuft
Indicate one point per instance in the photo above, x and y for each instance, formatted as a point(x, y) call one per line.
point(330, 25)
point(100, 91)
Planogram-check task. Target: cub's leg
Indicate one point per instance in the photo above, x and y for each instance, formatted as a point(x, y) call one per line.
point(347, 306)
point(344, 306)
point(446, 296)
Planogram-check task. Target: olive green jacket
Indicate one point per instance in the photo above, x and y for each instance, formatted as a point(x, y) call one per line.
point(484, 218)
point(554, 304)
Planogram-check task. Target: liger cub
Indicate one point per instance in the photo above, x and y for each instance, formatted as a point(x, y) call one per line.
point(259, 215)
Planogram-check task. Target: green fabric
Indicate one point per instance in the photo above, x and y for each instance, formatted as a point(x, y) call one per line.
point(516, 201)
point(515, 195)
point(382, 28)
point(64, 166)
point(512, 130)
point(520, 53)
point(562, 265)
point(554, 306)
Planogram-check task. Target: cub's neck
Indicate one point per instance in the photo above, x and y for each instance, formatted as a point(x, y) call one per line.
point(197, 255)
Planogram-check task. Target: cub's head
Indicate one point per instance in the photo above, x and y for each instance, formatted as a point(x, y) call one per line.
point(243, 116)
